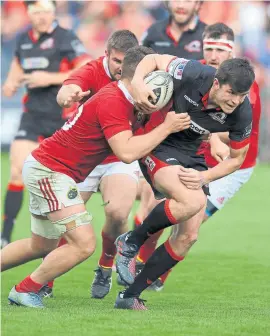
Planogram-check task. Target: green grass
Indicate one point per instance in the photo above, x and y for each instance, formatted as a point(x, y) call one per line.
point(222, 288)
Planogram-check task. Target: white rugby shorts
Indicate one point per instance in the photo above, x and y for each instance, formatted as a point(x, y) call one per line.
point(92, 182)
point(48, 189)
point(225, 188)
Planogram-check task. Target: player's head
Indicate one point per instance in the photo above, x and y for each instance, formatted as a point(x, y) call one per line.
point(132, 58)
point(183, 12)
point(117, 46)
point(218, 43)
point(41, 14)
point(232, 82)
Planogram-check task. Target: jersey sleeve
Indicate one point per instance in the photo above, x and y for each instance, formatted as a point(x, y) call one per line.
point(113, 116)
point(184, 71)
point(72, 49)
point(85, 77)
point(240, 132)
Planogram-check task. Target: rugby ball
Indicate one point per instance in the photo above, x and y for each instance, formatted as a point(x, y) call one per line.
point(161, 83)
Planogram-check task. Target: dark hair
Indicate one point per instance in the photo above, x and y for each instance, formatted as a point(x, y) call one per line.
point(216, 30)
point(238, 73)
point(28, 3)
point(166, 4)
point(132, 59)
point(122, 40)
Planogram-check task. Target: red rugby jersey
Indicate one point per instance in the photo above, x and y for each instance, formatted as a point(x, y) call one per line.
point(93, 76)
point(81, 144)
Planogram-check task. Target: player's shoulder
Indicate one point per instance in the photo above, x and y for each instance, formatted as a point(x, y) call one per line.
point(24, 35)
point(191, 71)
point(243, 112)
point(158, 28)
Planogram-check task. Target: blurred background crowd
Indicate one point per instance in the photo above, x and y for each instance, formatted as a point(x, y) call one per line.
point(93, 21)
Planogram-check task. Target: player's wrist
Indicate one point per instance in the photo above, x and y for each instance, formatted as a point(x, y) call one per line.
point(205, 178)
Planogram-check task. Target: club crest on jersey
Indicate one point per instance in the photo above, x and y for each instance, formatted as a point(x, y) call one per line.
point(47, 44)
point(72, 193)
point(194, 46)
point(218, 116)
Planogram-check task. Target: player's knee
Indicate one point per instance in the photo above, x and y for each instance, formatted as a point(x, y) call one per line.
point(16, 174)
point(115, 215)
point(193, 204)
point(87, 249)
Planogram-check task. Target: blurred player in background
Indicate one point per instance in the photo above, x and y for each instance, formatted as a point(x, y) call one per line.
point(44, 57)
point(218, 46)
point(180, 34)
point(112, 174)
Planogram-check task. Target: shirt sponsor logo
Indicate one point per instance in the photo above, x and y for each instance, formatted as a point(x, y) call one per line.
point(162, 44)
point(170, 159)
point(218, 116)
point(191, 101)
point(26, 46)
point(35, 63)
point(149, 163)
point(21, 133)
point(194, 46)
point(198, 129)
point(47, 44)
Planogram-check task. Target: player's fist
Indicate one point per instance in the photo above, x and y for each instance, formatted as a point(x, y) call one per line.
point(70, 94)
point(191, 178)
point(177, 122)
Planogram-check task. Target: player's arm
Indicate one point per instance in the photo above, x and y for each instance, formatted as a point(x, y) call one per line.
point(76, 86)
point(129, 148)
point(226, 167)
point(218, 146)
point(141, 91)
point(14, 78)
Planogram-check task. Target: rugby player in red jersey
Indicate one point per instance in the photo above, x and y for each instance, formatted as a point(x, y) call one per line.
point(112, 174)
point(103, 124)
point(218, 47)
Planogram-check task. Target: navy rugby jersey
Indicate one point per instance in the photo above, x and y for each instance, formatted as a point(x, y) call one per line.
point(192, 83)
point(57, 51)
point(190, 45)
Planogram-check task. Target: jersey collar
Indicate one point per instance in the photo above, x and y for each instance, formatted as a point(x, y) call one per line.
point(106, 67)
point(125, 92)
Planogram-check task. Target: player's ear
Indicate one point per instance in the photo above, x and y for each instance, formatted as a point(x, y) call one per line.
point(106, 53)
point(231, 55)
point(216, 84)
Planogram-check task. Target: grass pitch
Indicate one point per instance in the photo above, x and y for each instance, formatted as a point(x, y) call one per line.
point(221, 289)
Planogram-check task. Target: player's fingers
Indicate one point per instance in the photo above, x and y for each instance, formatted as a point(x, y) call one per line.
point(218, 158)
point(85, 93)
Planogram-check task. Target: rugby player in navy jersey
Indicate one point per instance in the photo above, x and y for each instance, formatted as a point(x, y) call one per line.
point(44, 57)
point(216, 102)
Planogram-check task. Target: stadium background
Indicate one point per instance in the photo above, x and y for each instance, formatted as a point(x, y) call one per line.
point(223, 288)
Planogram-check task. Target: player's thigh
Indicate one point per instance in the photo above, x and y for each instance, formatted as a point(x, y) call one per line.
point(40, 243)
point(19, 151)
point(118, 193)
point(167, 181)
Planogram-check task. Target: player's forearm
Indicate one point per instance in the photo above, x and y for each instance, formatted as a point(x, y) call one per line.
point(222, 169)
point(139, 146)
point(65, 92)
